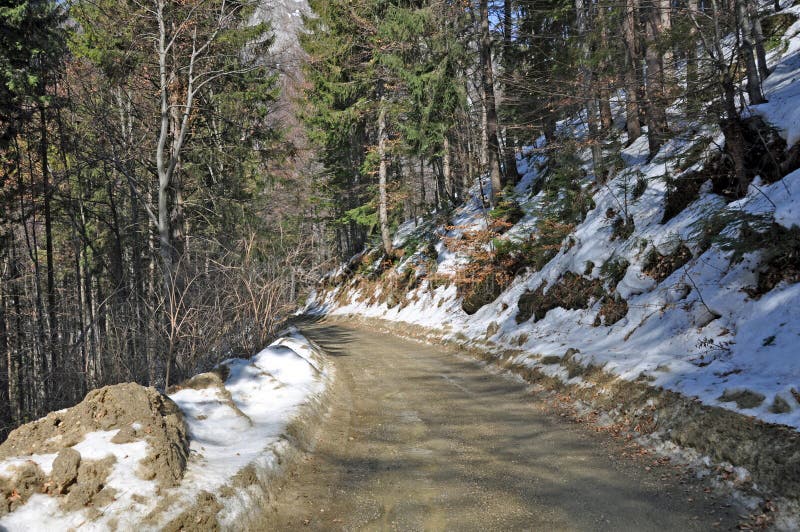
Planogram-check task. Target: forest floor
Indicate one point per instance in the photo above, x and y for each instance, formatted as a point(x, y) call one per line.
point(421, 437)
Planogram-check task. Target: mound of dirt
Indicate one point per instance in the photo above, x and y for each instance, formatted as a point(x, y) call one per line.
point(201, 517)
point(26, 480)
point(138, 413)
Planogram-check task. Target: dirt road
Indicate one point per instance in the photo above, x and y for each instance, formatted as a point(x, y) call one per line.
point(421, 438)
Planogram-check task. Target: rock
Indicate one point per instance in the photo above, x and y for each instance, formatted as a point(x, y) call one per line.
point(743, 398)
point(92, 476)
point(65, 469)
point(780, 406)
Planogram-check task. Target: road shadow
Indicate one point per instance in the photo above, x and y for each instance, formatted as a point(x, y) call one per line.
point(333, 339)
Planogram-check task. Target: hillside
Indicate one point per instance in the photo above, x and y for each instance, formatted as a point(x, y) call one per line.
point(381, 265)
point(667, 279)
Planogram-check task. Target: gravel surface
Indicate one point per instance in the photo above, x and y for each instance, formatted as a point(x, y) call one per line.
point(422, 438)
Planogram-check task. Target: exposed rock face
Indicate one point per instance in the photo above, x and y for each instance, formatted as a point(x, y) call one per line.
point(286, 24)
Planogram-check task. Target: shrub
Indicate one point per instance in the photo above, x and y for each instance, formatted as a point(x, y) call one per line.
point(613, 309)
point(780, 259)
point(507, 209)
point(622, 228)
point(775, 27)
point(613, 270)
point(659, 266)
point(639, 188)
point(681, 192)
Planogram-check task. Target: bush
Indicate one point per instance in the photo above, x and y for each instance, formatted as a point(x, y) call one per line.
point(640, 187)
point(507, 209)
point(622, 228)
point(613, 309)
point(659, 266)
point(483, 292)
point(775, 26)
point(682, 192)
point(613, 270)
point(780, 259)
point(422, 242)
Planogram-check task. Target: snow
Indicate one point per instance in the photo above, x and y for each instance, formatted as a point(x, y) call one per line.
point(243, 426)
point(698, 332)
point(44, 461)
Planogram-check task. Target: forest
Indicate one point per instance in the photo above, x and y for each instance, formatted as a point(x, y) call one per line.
point(171, 188)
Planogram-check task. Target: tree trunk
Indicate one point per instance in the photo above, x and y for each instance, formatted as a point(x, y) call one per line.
point(382, 171)
point(668, 58)
point(734, 137)
point(731, 125)
point(165, 249)
point(508, 23)
point(484, 154)
point(52, 316)
point(594, 132)
point(604, 90)
point(7, 345)
point(487, 77)
point(758, 37)
point(510, 173)
point(588, 91)
point(632, 77)
point(747, 51)
point(654, 87)
point(447, 173)
point(38, 341)
point(692, 73)
point(761, 51)
point(13, 353)
point(5, 351)
point(510, 162)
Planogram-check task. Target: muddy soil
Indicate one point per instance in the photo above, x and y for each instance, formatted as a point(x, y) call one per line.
point(138, 413)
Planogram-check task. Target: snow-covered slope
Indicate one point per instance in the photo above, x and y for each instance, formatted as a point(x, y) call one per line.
point(237, 418)
point(702, 330)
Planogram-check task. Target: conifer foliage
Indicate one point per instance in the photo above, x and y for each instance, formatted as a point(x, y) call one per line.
point(458, 87)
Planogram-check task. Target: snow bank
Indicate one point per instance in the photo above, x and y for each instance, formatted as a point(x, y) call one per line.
point(237, 418)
